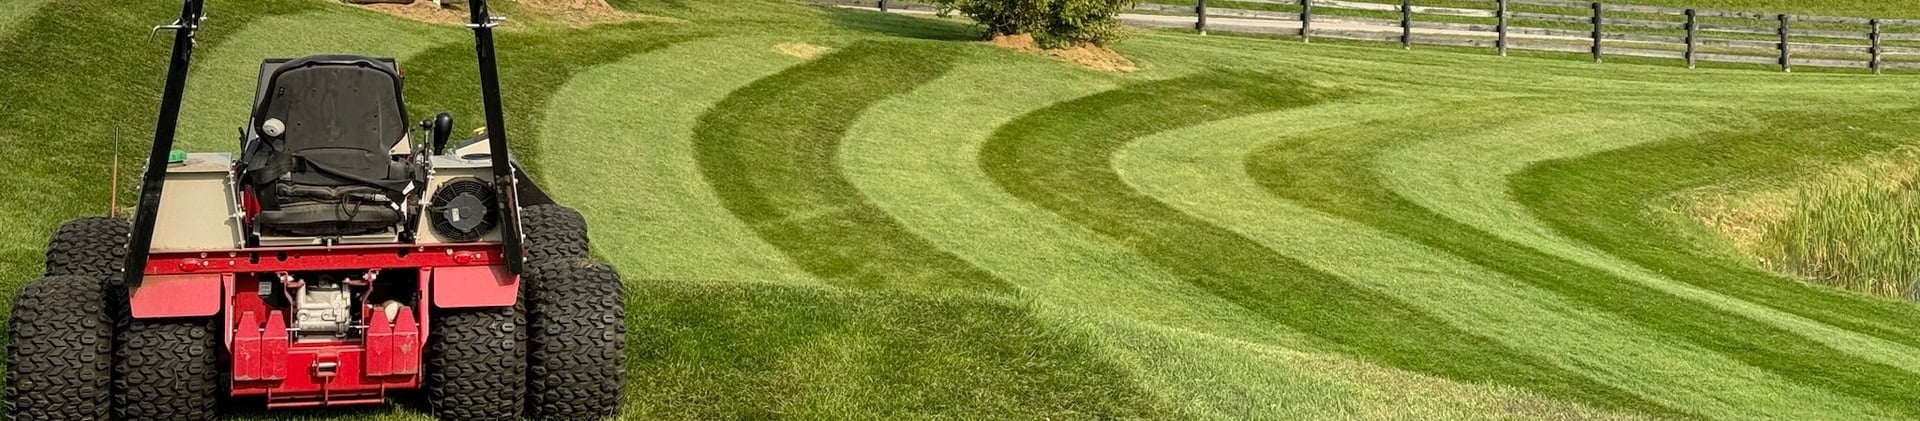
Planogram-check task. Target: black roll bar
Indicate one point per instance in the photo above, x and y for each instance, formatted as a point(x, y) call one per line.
point(504, 178)
point(153, 178)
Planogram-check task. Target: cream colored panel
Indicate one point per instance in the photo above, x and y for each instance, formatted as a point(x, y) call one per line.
point(447, 169)
point(197, 209)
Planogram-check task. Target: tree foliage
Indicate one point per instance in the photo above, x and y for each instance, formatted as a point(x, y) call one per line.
point(1051, 22)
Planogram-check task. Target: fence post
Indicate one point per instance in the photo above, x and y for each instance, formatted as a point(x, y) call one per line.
point(1406, 24)
point(1306, 20)
point(1786, 55)
point(1596, 32)
point(883, 6)
point(1693, 36)
point(1874, 63)
point(1200, 13)
point(1501, 13)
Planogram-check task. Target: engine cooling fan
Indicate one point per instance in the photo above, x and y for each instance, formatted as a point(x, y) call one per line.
point(462, 210)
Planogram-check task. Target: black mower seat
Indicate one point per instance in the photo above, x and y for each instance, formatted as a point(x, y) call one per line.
point(319, 159)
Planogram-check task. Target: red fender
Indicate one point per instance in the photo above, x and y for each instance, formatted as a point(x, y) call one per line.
point(474, 286)
point(195, 295)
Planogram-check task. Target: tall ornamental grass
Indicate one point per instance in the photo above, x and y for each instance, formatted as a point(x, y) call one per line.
point(1857, 237)
point(1856, 229)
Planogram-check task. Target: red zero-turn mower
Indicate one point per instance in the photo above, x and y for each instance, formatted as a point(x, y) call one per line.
point(336, 261)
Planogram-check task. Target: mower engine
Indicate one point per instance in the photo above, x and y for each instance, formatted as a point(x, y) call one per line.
point(323, 310)
point(323, 305)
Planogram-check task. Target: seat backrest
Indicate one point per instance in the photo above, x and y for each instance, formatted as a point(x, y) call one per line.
point(339, 117)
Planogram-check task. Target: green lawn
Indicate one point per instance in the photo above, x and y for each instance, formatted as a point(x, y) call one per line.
point(916, 225)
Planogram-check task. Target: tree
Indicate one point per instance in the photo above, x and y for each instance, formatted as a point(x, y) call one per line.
point(1053, 23)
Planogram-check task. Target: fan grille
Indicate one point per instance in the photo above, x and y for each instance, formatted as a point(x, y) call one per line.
point(454, 206)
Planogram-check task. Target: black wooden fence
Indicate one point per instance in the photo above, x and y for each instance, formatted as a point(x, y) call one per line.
point(1596, 29)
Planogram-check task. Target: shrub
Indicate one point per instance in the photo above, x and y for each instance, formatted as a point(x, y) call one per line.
point(1053, 23)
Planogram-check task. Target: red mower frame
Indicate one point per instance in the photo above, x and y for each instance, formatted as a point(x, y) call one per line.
point(266, 359)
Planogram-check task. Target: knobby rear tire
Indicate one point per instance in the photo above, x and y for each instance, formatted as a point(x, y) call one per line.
point(576, 341)
point(167, 369)
point(60, 351)
point(554, 232)
point(477, 364)
point(93, 246)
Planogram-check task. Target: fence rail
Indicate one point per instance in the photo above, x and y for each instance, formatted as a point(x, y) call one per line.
point(1596, 29)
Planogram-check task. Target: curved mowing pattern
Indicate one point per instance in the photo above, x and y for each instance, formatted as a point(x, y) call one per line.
point(769, 150)
point(533, 66)
point(1057, 158)
point(1335, 175)
point(916, 157)
point(1466, 179)
point(1594, 207)
point(1588, 211)
point(630, 125)
point(1200, 171)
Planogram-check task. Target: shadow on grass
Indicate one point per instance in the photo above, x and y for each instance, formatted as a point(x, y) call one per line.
point(901, 26)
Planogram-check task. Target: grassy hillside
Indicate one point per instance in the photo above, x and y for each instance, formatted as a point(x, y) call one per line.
point(911, 224)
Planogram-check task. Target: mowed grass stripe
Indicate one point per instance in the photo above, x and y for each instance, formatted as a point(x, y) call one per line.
point(1204, 376)
point(1603, 199)
point(1335, 175)
point(770, 151)
point(533, 66)
point(1198, 170)
point(1799, 140)
point(1058, 158)
point(1201, 170)
point(626, 129)
point(730, 350)
point(1466, 178)
point(1207, 357)
point(915, 156)
point(13, 12)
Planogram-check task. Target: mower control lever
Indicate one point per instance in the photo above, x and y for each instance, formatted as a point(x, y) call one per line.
point(441, 128)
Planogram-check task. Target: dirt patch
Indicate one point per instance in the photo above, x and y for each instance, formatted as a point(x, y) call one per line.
point(1087, 55)
point(801, 49)
point(424, 11)
point(577, 13)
